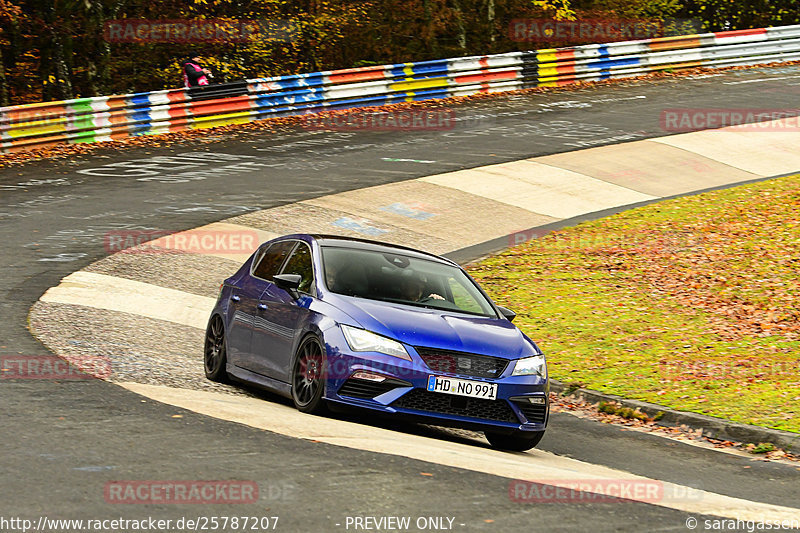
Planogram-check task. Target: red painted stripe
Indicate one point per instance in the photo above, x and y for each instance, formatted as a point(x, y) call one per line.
point(116, 102)
point(565, 69)
point(487, 76)
point(118, 117)
point(220, 106)
point(736, 33)
point(177, 96)
point(565, 54)
point(38, 142)
point(180, 110)
point(179, 125)
point(20, 114)
point(353, 75)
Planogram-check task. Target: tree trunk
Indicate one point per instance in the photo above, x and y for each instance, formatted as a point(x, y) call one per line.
point(63, 76)
point(3, 82)
point(462, 30)
point(490, 14)
point(430, 43)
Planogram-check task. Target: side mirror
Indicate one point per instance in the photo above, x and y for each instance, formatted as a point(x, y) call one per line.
point(289, 282)
point(508, 313)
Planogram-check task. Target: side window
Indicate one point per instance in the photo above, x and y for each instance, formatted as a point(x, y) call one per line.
point(300, 263)
point(272, 260)
point(462, 298)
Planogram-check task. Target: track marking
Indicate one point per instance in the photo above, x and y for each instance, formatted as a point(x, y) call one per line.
point(536, 466)
point(549, 188)
point(540, 188)
point(101, 291)
point(759, 80)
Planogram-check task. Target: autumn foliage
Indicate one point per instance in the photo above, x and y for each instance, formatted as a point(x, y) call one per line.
point(692, 303)
point(57, 49)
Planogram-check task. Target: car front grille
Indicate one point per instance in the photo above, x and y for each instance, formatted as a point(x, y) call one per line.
point(535, 413)
point(362, 388)
point(422, 400)
point(466, 364)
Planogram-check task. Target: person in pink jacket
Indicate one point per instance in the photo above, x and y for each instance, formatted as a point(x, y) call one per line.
point(195, 75)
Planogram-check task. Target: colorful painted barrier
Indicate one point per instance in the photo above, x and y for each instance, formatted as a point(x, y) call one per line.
point(117, 117)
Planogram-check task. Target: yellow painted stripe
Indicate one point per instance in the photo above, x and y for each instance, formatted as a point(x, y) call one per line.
point(222, 120)
point(547, 55)
point(28, 131)
point(404, 86)
point(546, 72)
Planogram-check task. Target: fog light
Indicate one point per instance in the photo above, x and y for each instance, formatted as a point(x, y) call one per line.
point(538, 400)
point(368, 376)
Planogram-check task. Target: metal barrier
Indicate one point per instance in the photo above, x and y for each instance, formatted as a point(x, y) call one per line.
point(117, 117)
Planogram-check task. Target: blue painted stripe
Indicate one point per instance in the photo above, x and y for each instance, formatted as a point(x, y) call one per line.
point(290, 97)
point(359, 226)
point(314, 79)
point(367, 101)
point(425, 94)
point(611, 63)
point(139, 129)
point(139, 99)
point(410, 211)
point(421, 70)
point(140, 115)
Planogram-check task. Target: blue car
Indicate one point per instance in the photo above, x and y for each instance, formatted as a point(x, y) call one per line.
point(339, 323)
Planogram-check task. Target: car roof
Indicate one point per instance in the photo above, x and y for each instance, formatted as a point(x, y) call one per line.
point(356, 243)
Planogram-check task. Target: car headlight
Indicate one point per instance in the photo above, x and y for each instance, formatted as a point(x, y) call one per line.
point(361, 340)
point(531, 366)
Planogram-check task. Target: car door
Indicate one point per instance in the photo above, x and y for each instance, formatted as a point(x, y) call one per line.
point(252, 287)
point(242, 309)
point(281, 317)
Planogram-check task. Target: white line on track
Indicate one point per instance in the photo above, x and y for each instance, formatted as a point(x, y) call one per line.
point(536, 466)
point(759, 80)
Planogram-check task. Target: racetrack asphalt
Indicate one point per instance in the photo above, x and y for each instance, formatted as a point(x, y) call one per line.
point(63, 441)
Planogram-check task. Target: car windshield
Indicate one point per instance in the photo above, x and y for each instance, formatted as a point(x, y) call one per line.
point(399, 278)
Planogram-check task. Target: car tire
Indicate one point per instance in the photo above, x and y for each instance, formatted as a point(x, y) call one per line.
point(215, 358)
point(515, 442)
point(308, 377)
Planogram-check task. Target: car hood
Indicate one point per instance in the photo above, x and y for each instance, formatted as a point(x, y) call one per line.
point(419, 326)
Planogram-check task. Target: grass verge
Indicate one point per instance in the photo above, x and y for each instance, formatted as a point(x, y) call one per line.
point(691, 303)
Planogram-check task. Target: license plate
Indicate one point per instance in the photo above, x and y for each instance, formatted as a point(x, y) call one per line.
point(462, 387)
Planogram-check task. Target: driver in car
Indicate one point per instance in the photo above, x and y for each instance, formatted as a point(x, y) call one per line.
point(414, 289)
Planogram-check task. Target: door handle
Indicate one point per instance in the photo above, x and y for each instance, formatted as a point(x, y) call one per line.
point(235, 298)
point(262, 306)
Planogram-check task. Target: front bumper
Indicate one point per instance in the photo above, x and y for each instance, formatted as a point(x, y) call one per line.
point(522, 402)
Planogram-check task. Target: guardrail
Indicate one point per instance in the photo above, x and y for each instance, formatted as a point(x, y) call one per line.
point(117, 117)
